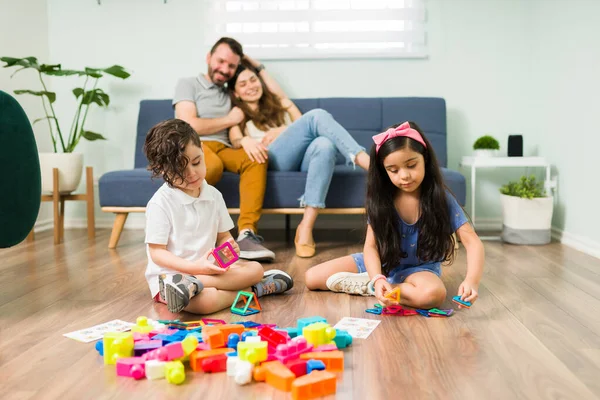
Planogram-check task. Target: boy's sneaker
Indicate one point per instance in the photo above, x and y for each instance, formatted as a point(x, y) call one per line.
point(252, 249)
point(349, 282)
point(178, 289)
point(274, 282)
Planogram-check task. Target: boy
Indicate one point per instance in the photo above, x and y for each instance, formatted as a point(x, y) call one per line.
point(185, 219)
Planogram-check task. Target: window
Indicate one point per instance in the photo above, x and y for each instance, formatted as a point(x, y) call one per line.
point(284, 29)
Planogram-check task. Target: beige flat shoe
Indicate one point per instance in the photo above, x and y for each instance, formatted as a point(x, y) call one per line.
point(304, 250)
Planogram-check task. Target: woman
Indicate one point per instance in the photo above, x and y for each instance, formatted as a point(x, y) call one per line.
point(276, 130)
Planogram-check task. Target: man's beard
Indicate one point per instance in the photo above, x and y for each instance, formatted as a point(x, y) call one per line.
point(212, 73)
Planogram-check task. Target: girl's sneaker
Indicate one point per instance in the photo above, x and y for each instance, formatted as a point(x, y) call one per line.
point(178, 289)
point(274, 282)
point(349, 282)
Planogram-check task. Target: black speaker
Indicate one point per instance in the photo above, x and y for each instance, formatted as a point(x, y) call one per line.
point(515, 146)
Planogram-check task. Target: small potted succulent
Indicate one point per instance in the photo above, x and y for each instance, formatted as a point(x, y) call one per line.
point(526, 212)
point(486, 146)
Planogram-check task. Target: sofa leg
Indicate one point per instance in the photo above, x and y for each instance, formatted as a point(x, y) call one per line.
point(120, 219)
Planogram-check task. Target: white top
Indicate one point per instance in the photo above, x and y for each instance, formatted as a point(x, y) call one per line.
point(187, 225)
point(254, 132)
point(470, 161)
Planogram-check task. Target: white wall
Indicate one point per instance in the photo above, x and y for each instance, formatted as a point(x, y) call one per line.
point(565, 99)
point(24, 33)
point(494, 61)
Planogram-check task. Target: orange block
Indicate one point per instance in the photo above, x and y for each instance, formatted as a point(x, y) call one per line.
point(275, 374)
point(316, 384)
point(213, 337)
point(333, 360)
point(197, 356)
point(394, 295)
point(230, 328)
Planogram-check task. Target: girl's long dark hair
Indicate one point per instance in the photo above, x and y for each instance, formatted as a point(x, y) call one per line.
point(270, 112)
point(435, 242)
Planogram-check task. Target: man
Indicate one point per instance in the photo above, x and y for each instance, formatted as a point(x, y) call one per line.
point(203, 102)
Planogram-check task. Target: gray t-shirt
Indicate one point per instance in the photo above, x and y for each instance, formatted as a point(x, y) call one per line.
point(211, 101)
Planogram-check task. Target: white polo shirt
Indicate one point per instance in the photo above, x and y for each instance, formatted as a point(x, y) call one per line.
point(187, 225)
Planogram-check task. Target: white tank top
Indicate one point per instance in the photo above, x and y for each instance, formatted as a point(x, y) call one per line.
point(254, 132)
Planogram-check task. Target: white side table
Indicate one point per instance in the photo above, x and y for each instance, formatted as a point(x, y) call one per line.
point(502, 162)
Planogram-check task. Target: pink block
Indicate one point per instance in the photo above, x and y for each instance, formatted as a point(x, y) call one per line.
point(292, 349)
point(326, 347)
point(174, 351)
point(140, 336)
point(164, 331)
point(160, 354)
point(132, 367)
point(202, 346)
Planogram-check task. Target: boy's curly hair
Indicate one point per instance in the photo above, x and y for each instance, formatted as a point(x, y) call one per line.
point(165, 146)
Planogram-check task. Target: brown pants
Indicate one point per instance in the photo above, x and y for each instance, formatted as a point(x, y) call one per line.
point(253, 179)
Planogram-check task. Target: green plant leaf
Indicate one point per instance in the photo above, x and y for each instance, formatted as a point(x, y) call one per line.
point(78, 92)
point(50, 95)
point(96, 96)
point(64, 72)
point(41, 119)
point(526, 187)
point(118, 71)
point(486, 142)
point(46, 68)
point(91, 136)
point(93, 72)
point(27, 62)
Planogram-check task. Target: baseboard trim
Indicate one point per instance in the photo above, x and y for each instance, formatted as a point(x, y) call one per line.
point(43, 225)
point(488, 224)
point(581, 243)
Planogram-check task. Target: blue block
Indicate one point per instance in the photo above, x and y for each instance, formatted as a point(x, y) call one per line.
point(233, 340)
point(246, 334)
point(293, 332)
point(314, 365)
point(100, 347)
point(342, 339)
point(232, 354)
point(302, 322)
point(249, 324)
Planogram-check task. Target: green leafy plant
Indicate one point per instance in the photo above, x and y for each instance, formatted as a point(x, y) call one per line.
point(86, 95)
point(486, 142)
point(526, 187)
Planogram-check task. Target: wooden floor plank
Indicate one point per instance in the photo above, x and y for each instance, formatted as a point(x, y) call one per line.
point(527, 337)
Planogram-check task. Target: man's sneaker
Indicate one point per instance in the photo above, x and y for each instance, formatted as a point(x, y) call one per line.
point(349, 282)
point(252, 249)
point(178, 289)
point(274, 282)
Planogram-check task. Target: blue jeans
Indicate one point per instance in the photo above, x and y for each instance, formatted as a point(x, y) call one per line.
point(311, 144)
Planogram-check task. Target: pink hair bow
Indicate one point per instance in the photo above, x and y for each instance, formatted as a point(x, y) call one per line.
point(402, 130)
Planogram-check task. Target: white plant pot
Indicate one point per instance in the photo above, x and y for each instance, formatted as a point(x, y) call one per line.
point(486, 153)
point(70, 168)
point(526, 221)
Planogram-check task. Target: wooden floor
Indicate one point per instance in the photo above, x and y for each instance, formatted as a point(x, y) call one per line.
point(534, 333)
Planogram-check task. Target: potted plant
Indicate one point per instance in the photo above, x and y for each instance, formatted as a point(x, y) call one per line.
point(526, 212)
point(70, 164)
point(486, 146)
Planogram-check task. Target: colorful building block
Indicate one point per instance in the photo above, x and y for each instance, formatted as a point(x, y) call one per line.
point(197, 356)
point(175, 372)
point(232, 340)
point(143, 346)
point(271, 336)
point(314, 365)
point(316, 384)
point(302, 322)
point(142, 326)
point(292, 349)
point(460, 302)
point(333, 360)
point(394, 295)
point(213, 337)
point(326, 347)
point(133, 367)
point(342, 339)
point(225, 255)
point(155, 369)
point(297, 366)
point(243, 372)
point(252, 351)
point(100, 347)
point(248, 300)
point(174, 351)
point(319, 333)
point(117, 344)
point(216, 363)
point(275, 374)
point(231, 364)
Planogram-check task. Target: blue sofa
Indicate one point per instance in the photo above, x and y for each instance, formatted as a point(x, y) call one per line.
point(122, 192)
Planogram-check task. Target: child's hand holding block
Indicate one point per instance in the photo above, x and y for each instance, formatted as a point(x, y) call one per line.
point(225, 255)
point(462, 303)
point(394, 295)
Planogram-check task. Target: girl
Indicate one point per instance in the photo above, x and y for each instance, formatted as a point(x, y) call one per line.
point(274, 129)
point(411, 218)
